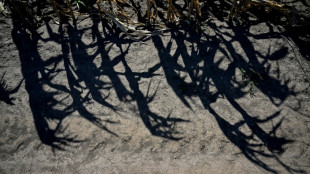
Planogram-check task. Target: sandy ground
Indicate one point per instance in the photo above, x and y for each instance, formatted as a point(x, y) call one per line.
point(83, 98)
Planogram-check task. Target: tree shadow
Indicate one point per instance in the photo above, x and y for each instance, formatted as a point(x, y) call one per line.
point(204, 66)
point(82, 70)
point(52, 102)
point(156, 124)
point(36, 75)
point(48, 109)
point(209, 81)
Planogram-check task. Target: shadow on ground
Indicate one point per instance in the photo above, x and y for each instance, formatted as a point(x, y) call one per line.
point(205, 71)
point(200, 64)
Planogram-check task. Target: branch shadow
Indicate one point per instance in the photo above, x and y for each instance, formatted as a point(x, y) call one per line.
point(52, 102)
point(209, 81)
point(157, 125)
point(41, 102)
point(48, 109)
point(5, 92)
point(204, 67)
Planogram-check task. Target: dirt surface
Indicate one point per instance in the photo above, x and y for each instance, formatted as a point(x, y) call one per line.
point(83, 98)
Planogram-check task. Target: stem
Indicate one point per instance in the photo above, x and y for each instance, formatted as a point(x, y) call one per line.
point(190, 9)
point(55, 9)
point(148, 11)
point(71, 12)
point(169, 10)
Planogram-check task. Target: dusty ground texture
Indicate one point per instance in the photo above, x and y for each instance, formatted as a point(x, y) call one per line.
point(82, 98)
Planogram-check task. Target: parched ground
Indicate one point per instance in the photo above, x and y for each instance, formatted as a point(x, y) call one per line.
point(83, 98)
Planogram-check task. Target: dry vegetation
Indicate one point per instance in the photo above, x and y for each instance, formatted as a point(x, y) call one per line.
point(123, 13)
point(225, 86)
